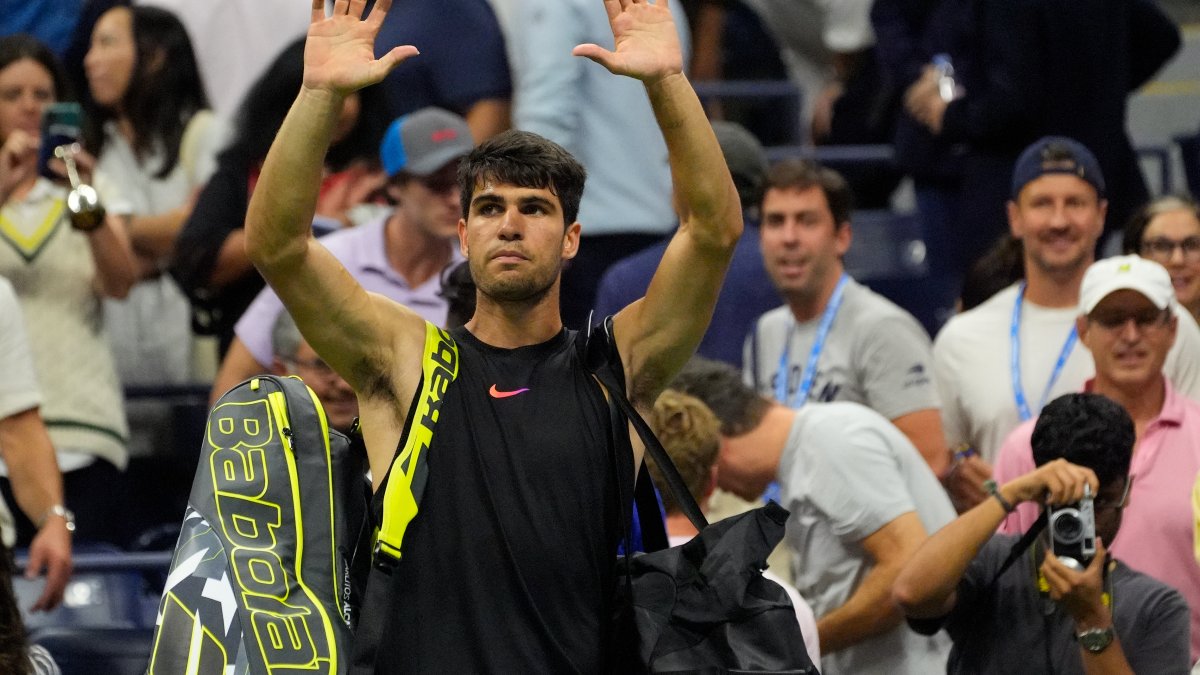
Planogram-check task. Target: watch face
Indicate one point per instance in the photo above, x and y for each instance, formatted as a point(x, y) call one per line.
point(1096, 639)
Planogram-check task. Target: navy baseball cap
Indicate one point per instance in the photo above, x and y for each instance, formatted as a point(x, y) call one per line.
point(1056, 154)
point(424, 141)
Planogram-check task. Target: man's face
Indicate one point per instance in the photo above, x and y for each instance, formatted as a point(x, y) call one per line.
point(515, 241)
point(338, 399)
point(431, 203)
point(802, 246)
point(1058, 217)
point(1129, 338)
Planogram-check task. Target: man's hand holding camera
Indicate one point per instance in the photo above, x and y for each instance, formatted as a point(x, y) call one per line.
point(1052, 484)
point(1080, 590)
point(1080, 593)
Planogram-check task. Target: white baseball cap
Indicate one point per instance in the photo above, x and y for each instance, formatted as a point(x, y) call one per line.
point(1125, 272)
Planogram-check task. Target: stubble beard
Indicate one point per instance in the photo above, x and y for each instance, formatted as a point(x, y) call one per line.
point(526, 290)
point(809, 289)
point(1065, 268)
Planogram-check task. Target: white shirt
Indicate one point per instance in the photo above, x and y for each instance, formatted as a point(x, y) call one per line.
point(971, 357)
point(18, 384)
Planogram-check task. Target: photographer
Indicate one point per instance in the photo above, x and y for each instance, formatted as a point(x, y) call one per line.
point(1129, 321)
point(1038, 614)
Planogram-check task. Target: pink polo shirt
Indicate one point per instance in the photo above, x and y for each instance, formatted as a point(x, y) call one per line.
point(1157, 535)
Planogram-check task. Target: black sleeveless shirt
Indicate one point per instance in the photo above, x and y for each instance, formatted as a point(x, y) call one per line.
point(509, 565)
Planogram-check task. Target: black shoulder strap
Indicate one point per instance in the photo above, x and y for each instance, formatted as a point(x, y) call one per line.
point(403, 488)
point(602, 359)
point(1018, 549)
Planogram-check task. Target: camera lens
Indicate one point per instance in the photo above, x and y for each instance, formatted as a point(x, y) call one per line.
point(1067, 528)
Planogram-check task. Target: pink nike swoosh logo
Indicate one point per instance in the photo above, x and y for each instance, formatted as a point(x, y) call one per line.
point(496, 393)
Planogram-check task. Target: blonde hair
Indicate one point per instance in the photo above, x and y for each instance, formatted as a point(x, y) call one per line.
point(690, 433)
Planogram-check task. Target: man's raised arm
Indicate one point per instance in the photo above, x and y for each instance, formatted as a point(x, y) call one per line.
point(656, 335)
point(348, 327)
point(925, 588)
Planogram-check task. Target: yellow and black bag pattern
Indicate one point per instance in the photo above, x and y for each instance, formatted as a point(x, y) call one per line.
point(258, 582)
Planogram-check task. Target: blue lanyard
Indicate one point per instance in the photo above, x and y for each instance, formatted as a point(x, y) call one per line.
point(1015, 337)
point(810, 368)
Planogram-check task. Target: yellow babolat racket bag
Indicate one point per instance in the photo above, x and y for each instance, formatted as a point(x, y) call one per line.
point(259, 583)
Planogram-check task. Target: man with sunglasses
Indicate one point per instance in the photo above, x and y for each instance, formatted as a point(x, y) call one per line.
point(1127, 322)
point(1014, 606)
point(401, 255)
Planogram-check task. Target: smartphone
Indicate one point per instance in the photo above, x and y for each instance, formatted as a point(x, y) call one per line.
point(62, 124)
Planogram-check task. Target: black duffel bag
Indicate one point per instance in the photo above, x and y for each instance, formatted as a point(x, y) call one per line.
point(703, 607)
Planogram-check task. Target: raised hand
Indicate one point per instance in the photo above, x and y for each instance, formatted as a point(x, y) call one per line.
point(339, 54)
point(18, 162)
point(646, 43)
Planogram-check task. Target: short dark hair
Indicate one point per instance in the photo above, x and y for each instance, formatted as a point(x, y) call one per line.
point(1086, 429)
point(1131, 242)
point(802, 174)
point(18, 47)
point(528, 160)
point(688, 431)
point(719, 386)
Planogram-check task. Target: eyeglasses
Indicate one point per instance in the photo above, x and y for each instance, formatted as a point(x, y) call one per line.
point(1145, 320)
point(1162, 249)
point(315, 366)
point(1102, 504)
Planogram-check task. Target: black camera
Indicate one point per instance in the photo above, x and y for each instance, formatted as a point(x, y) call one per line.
point(1073, 532)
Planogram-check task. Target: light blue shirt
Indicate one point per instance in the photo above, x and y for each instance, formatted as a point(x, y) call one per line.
point(604, 120)
point(363, 251)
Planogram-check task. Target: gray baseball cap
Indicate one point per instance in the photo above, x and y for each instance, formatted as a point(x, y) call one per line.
point(745, 157)
point(424, 141)
point(743, 153)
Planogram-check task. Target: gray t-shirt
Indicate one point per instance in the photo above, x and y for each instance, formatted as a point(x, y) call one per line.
point(1012, 629)
point(845, 473)
point(875, 354)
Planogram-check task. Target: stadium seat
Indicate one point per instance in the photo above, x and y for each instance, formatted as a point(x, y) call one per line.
point(1189, 147)
point(888, 255)
point(91, 650)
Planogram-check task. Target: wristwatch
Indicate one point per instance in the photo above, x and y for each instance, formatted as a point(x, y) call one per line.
point(1096, 640)
point(59, 510)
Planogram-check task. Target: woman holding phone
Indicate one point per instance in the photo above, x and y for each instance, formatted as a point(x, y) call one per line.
point(61, 273)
